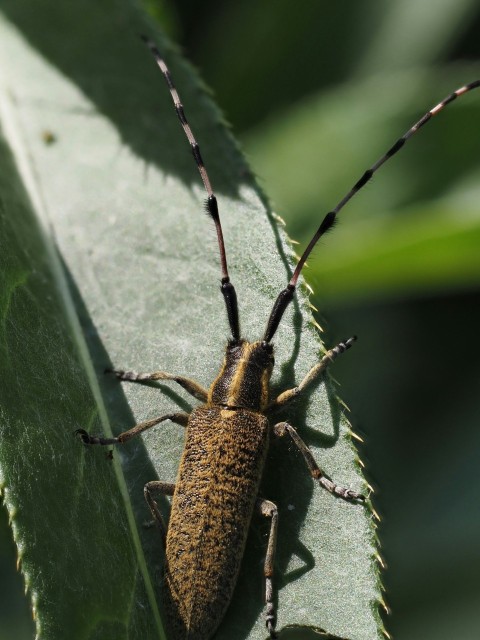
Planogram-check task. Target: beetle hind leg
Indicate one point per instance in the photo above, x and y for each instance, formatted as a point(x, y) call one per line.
point(269, 510)
point(165, 489)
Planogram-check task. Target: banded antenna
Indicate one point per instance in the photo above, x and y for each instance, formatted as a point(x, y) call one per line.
point(227, 288)
point(286, 296)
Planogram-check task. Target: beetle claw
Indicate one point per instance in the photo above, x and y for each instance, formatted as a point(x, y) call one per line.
point(84, 436)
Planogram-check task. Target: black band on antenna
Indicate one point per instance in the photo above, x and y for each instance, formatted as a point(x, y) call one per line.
point(230, 296)
point(212, 207)
point(286, 295)
point(281, 303)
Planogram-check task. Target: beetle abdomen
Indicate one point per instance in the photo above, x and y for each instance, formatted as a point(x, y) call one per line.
point(212, 506)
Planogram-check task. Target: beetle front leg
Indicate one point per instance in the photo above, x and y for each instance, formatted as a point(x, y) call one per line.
point(179, 418)
point(281, 429)
point(314, 373)
point(269, 510)
point(193, 388)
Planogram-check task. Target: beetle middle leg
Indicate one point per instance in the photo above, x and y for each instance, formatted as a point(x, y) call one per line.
point(283, 428)
point(179, 418)
point(193, 388)
point(269, 510)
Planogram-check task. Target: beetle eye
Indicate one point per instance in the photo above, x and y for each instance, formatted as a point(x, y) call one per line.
point(234, 345)
point(267, 346)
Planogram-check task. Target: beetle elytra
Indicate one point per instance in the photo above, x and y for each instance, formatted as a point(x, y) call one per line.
point(216, 491)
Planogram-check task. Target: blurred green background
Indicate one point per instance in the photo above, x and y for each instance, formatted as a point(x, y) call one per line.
point(315, 96)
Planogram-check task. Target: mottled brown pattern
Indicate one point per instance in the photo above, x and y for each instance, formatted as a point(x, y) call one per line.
point(215, 494)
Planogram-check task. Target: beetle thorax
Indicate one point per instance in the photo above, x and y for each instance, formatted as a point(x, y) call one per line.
point(243, 382)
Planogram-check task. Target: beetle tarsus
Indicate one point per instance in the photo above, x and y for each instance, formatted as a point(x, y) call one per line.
point(271, 621)
point(337, 490)
point(87, 439)
point(84, 436)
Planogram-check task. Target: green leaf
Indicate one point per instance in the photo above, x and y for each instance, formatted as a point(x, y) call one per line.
point(107, 260)
point(426, 197)
point(413, 34)
point(430, 249)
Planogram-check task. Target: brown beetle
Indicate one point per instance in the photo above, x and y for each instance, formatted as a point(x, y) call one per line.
point(227, 439)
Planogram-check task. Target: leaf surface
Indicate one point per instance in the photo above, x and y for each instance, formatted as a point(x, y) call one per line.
point(108, 260)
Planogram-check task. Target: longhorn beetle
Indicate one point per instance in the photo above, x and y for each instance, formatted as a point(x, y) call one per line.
point(215, 493)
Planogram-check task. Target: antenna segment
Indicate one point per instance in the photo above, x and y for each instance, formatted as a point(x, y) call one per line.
point(227, 287)
point(286, 296)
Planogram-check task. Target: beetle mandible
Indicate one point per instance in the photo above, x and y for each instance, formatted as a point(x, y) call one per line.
point(215, 493)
